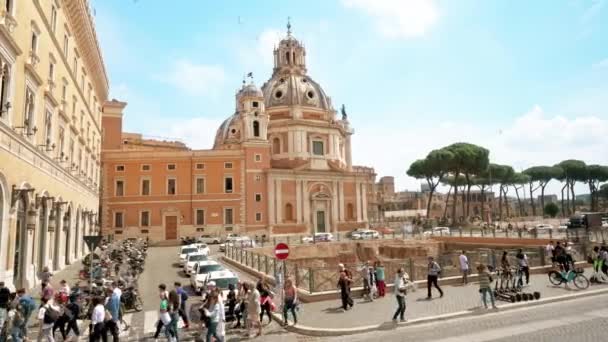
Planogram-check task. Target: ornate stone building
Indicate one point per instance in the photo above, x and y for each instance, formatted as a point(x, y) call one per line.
point(281, 164)
point(52, 87)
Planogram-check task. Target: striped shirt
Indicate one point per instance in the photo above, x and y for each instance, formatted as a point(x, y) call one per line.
point(484, 280)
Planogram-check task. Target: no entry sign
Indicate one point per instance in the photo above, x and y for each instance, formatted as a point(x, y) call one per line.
point(281, 251)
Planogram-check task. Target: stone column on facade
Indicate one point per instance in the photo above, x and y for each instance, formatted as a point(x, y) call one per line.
point(330, 142)
point(60, 241)
point(334, 205)
point(306, 201)
point(364, 201)
point(279, 194)
point(298, 201)
point(290, 148)
point(341, 200)
point(349, 160)
point(271, 201)
point(358, 200)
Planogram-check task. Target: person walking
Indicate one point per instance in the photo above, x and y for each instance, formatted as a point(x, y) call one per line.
point(434, 270)
point(231, 301)
point(241, 311)
point(174, 305)
point(464, 267)
point(254, 309)
point(113, 307)
point(15, 323)
point(72, 312)
point(47, 291)
point(97, 321)
point(46, 275)
point(183, 296)
point(5, 295)
point(266, 301)
point(290, 301)
point(163, 312)
point(367, 285)
point(380, 283)
point(344, 285)
point(484, 285)
point(524, 268)
point(401, 286)
point(28, 305)
point(47, 315)
point(221, 325)
point(212, 311)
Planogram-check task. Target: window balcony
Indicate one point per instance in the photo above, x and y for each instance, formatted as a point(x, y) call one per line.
point(32, 59)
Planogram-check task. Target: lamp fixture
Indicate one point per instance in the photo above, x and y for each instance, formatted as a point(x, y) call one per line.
point(16, 193)
point(7, 106)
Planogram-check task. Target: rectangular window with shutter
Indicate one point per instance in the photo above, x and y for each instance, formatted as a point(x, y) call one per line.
point(118, 220)
point(200, 217)
point(200, 185)
point(228, 185)
point(228, 217)
point(120, 188)
point(171, 186)
point(145, 187)
point(145, 218)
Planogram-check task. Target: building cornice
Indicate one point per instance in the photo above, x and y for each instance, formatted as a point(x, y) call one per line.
point(83, 29)
point(163, 155)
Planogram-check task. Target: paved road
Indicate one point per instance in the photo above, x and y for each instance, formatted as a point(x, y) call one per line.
point(578, 320)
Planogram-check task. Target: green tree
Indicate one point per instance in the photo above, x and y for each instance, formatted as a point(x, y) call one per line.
point(484, 180)
point(603, 193)
point(573, 171)
point(465, 157)
point(432, 169)
point(543, 175)
point(519, 181)
point(596, 174)
point(551, 209)
point(475, 165)
point(503, 175)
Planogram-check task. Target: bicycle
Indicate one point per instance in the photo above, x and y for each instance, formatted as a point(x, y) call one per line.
point(575, 276)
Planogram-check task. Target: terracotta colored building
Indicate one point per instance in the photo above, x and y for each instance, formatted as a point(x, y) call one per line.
point(281, 164)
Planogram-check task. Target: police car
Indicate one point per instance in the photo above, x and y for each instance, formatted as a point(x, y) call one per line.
point(200, 273)
point(192, 259)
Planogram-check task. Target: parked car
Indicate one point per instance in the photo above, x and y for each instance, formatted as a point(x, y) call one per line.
point(222, 280)
point(437, 231)
point(365, 234)
point(191, 260)
point(201, 271)
point(562, 227)
point(319, 237)
point(239, 241)
point(185, 251)
point(209, 239)
point(543, 227)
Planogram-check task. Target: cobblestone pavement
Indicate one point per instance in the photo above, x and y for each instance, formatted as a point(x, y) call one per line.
point(580, 320)
point(161, 267)
point(328, 314)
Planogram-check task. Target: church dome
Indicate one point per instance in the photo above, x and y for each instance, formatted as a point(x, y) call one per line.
point(294, 89)
point(229, 132)
point(250, 90)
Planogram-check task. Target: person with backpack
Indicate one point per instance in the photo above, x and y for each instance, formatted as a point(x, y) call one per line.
point(15, 323)
point(434, 270)
point(183, 296)
point(47, 315)
point(28, 305)
point(72, 312)
point(485, 281)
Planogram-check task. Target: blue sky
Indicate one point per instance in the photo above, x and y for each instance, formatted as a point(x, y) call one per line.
point(526, 79)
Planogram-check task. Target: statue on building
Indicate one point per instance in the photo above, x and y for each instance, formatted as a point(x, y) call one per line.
point(344, 115)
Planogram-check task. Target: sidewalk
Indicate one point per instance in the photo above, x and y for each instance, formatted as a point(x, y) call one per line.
point(329, 314)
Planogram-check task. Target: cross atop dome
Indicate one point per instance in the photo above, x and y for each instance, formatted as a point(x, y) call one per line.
point(288, 27)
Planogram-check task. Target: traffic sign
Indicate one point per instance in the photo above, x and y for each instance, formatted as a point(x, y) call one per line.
point(281, 251)
point(92, 241)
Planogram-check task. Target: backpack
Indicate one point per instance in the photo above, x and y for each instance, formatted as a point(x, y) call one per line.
point(50, 315)
point(184, 296)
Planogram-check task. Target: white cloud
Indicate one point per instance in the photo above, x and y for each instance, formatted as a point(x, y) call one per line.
point(266, 42)
point(533, 138)
point(399, 18)
point(194, 79)
point(601, 64)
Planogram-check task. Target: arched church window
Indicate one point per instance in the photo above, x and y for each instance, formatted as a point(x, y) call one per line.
point(288, 212)
point(276, 146)
point(287, 57)
point(256, 129)
point(350, 212)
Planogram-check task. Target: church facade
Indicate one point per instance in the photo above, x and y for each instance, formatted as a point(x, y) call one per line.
point(281, 164)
